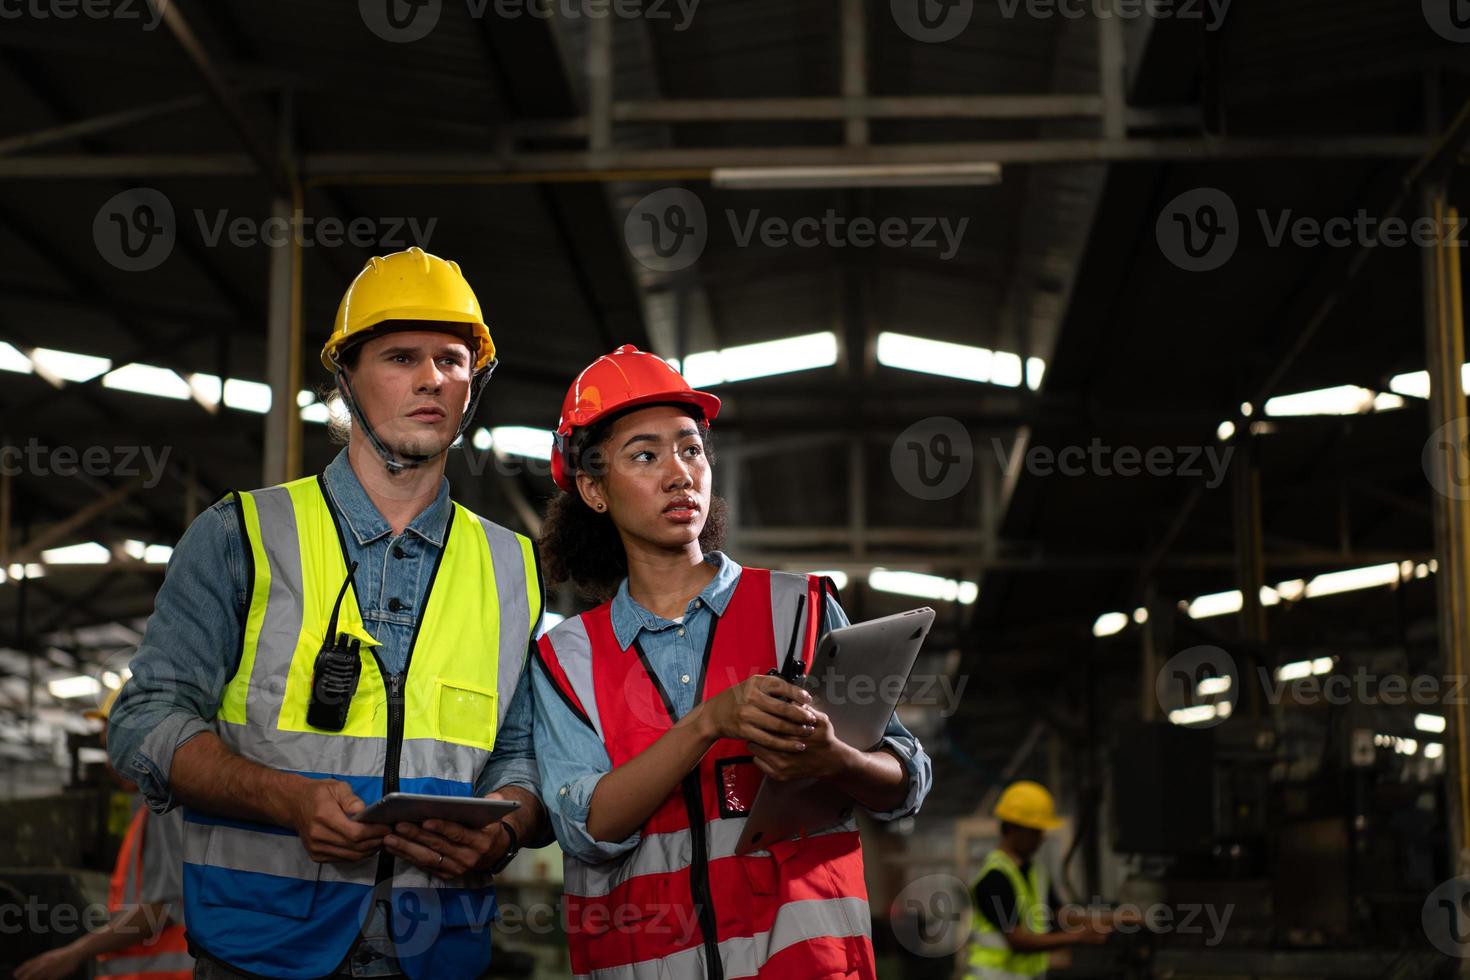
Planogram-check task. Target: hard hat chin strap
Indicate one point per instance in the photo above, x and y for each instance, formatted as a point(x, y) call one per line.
point(395, 462)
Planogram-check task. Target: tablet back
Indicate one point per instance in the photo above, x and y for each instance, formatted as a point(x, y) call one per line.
point(857, 676)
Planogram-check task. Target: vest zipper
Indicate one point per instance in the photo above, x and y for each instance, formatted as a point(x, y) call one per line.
point(394, 684)
point(699, 888)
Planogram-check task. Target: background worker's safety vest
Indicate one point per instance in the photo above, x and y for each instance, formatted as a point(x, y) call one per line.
point(254, 898)
point(166, 957)
point(991, 957)
point(681, 903)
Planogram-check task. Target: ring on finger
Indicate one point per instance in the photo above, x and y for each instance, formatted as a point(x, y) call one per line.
point(440, 861)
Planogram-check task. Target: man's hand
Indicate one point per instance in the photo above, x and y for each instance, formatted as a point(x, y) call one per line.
point(54, 964)
point(449, 849)
point(322, 814)
point(826, 756)
point(446, 849)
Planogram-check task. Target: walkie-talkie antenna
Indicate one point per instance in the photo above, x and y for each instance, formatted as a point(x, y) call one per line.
point(795, 631)
point(337, 607)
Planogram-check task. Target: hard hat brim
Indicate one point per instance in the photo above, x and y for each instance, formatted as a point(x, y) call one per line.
point(410, 318)
point(708, 405)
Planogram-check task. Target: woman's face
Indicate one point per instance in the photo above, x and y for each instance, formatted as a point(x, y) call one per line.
point(657, 482)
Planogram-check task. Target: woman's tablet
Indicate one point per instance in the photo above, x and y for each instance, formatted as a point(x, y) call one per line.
point(472, 811)
point(857, 678)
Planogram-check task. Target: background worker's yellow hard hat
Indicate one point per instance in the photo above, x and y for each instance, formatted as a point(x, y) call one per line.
point(408, 285)
point(1028, 804)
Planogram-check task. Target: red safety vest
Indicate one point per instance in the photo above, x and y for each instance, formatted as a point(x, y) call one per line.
point(682, 903)
point(165, 958)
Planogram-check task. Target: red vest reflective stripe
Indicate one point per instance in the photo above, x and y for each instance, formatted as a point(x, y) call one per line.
point(162, 959)
point(798, 909)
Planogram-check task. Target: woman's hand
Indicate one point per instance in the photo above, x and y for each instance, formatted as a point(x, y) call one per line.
point(754, 712)
point(826, 756)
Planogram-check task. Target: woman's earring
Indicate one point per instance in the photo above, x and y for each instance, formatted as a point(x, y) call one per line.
point(601, 507)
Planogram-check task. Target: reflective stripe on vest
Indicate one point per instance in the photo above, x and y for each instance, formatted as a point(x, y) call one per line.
point(682, 903)
point(245, 880)
point(165, 957)
point(989, 951)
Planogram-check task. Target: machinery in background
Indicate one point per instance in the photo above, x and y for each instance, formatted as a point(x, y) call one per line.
point(1303, 843)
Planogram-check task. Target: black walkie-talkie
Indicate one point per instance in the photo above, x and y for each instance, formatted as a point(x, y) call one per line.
point(794, 670)
point(334, 676)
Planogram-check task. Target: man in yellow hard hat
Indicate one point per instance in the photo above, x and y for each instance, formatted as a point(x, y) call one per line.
point(144, 934)
point(318, 645)
point(1011, 935)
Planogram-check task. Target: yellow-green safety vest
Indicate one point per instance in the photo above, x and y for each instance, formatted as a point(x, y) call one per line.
point(253, 896)
point(991, 957)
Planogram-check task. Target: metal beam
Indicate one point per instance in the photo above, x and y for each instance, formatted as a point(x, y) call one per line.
point(695, 163)
point(856, 104)
point(1444, 337)
point(854, 71)
point(61, 530)
point(282, 457)
point(100, 124)
point(276, 170)
point(1111, 74)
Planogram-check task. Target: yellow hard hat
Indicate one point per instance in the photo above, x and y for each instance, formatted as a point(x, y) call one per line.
point(1028, 804)
point(408, 285)
point(103, 711)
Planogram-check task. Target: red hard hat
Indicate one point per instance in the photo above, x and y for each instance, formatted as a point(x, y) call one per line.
point(624, 379)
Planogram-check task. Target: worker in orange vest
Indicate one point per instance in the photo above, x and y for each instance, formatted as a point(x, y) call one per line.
point(144, 938)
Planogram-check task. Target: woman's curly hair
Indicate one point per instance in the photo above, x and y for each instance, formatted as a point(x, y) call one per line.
point(583, 547)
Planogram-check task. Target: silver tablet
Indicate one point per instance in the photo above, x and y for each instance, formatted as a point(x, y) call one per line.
point(857, 677)
point(472, 811)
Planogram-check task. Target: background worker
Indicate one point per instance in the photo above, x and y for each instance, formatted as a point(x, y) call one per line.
point(145, 935)
point(1014, 906)
point(320, 644)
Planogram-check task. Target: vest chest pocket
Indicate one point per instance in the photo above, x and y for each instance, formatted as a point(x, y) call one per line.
point(465, 713)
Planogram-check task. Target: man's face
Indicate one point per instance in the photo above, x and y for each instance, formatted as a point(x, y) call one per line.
point(414, 387)
point(1027, 841)
point(657, 483)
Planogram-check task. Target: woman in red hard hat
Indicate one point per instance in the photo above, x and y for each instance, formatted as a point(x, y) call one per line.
point(657, 718)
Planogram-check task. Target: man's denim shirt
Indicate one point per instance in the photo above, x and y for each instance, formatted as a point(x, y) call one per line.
point(193, 640)
point(573, 759)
